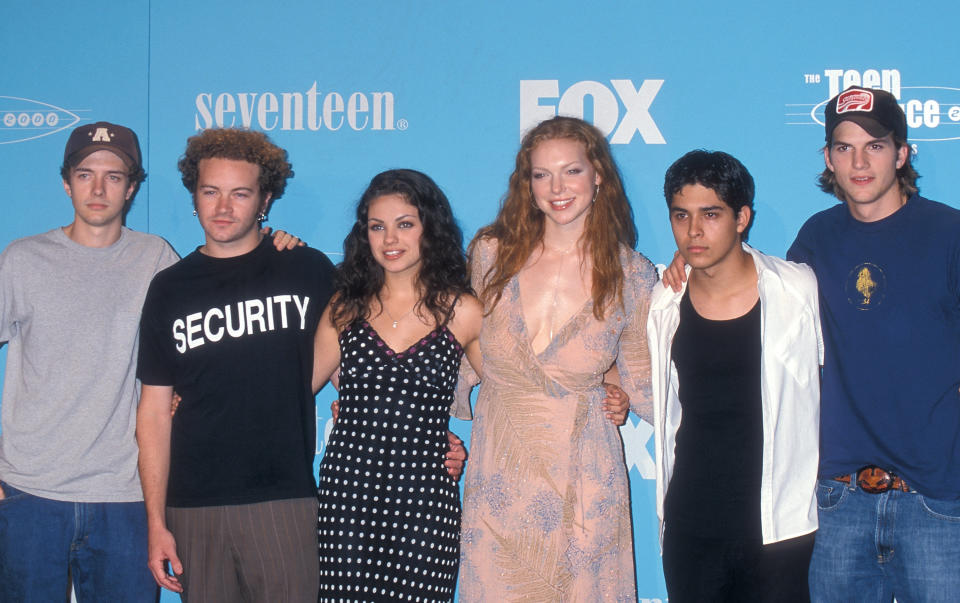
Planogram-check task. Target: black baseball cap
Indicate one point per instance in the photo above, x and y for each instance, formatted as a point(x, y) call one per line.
point(90, 138)
point(874, 110)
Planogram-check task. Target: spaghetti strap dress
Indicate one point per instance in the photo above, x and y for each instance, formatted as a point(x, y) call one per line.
point(389, 520)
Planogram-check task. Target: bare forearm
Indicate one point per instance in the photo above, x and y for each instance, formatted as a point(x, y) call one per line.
point(153, 437)
point(326, 352)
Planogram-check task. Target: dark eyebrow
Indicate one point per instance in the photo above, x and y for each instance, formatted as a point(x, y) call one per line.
point(871, 141)
point(89, 170)
point(706, 208)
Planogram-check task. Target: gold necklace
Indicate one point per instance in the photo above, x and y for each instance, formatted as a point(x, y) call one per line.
point(556, 285)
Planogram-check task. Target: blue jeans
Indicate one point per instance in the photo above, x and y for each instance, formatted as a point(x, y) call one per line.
point(103, 545)
point(873, 547)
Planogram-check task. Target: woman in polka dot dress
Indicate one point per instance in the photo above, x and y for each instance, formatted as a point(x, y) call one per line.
point(401, 319)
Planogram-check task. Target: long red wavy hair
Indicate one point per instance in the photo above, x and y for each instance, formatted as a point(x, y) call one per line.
point(518, 228)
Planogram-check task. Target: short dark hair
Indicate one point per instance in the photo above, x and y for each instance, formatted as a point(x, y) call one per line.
point(135, 174)
point(241, 145)
point(906, 175)
point(121, 141)
point(718, 171)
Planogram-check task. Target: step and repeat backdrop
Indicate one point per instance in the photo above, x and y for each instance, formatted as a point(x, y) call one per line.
point(351, 89)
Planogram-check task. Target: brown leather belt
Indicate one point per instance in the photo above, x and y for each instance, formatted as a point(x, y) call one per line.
point(875, 480)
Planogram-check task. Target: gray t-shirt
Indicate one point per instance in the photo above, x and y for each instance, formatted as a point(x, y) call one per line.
point(70, 315)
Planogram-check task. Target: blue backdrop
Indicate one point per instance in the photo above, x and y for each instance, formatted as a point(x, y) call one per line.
point(350, 89)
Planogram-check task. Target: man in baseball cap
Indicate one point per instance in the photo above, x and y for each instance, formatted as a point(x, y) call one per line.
point(887, 263)
point(70, 301)
point(876, 111)
point(88, 139)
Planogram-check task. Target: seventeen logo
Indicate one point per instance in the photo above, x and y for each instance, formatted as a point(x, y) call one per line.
point(310, 110)
point(541, 99)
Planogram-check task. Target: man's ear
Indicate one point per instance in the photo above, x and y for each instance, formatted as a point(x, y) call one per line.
point(743, 218)
point(902, 154)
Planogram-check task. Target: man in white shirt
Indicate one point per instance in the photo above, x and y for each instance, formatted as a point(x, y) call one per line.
point(735, 375)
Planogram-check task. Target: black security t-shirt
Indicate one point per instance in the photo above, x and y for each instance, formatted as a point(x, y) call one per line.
point(234, 337)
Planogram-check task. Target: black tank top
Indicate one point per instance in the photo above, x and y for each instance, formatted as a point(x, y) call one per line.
point(715, 488)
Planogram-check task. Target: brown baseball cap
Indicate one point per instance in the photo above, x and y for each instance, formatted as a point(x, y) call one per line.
point(103, 135)
point(874, 110)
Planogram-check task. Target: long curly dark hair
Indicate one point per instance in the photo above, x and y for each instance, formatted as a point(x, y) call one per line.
point(443, 264)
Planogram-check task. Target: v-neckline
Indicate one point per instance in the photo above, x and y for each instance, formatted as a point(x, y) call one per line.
point(422, 340)
point(560, 330)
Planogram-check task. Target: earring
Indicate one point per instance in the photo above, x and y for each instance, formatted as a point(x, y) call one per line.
point(596, 191)
point(194, 213)
point(262, 217)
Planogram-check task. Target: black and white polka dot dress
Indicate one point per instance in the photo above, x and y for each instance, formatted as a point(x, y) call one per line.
point(389, 524)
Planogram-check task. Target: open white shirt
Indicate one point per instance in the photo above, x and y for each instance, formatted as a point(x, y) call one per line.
point(791, 356)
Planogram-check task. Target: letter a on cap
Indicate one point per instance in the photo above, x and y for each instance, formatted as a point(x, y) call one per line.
point(101, 135)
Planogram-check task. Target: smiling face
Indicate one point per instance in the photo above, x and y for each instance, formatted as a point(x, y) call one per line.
point(706, 229)
point(865, 169)
point(394, 230)
point(99, 187)
point(228, 202)
point(563, 181)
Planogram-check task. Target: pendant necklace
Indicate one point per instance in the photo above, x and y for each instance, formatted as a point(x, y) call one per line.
point(396, 321)
point(556, 285)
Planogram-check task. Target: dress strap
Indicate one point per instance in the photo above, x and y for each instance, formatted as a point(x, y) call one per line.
point(449, 313)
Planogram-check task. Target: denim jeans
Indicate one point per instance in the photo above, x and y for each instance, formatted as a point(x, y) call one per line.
point(873, 547)
point(103, 545)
